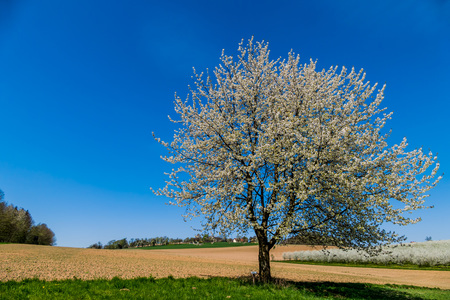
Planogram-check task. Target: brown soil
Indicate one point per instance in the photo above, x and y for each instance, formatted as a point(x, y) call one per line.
point(27, 261)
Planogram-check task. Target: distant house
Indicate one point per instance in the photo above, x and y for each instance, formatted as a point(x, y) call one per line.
point(234, 241)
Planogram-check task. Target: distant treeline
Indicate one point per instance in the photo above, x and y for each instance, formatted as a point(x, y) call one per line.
point(17, 226)
point(304, 239)
point(164, 240)
point(309, 238)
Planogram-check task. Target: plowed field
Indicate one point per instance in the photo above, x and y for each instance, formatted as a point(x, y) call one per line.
point(28, 261)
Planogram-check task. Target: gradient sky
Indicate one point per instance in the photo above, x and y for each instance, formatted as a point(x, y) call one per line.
point(83, 84)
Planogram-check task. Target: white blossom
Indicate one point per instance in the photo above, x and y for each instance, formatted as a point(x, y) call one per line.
point(285, 149)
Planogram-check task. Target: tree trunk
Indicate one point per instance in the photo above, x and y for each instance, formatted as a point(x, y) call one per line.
point(264, 262)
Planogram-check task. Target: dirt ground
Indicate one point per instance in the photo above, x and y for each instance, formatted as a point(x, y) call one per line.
point(27, 261)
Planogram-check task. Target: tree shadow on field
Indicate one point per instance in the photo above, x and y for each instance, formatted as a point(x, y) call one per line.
point(338, 290)
point(354, 290)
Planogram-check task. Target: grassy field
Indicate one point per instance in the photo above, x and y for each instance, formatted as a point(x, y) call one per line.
point(194, 246)
point(212, 288)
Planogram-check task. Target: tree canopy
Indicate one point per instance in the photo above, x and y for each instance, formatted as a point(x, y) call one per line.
point(284, 149)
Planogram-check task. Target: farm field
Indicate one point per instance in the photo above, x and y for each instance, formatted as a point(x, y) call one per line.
point(18, 262)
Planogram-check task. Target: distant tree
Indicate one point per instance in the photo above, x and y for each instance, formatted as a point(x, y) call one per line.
point(309, 238)
point(41, 235)
point(97, 245)
point(119, 244)
point(253, 239)
point(428, 239)
point(176, 241)
point(15, 223)
point(206, 238)
point(133, 243)
point(6, 222)
point(110, 245)
point(122, 244)
point(22, 225)
point(5, 219)
point(138, 242)
point(283, 149)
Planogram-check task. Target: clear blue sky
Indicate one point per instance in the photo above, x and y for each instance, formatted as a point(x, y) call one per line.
point(84, 83)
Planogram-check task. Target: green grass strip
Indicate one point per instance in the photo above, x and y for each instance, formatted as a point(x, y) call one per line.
point(194, 246)
point(368, 265)
point(212, 288)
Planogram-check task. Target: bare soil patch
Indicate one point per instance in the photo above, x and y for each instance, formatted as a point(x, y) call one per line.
point(18, 262)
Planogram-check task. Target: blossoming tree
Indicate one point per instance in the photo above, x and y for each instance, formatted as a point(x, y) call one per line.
point(283, 149)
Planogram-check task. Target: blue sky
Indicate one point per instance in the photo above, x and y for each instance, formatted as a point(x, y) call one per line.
point(83, 84)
